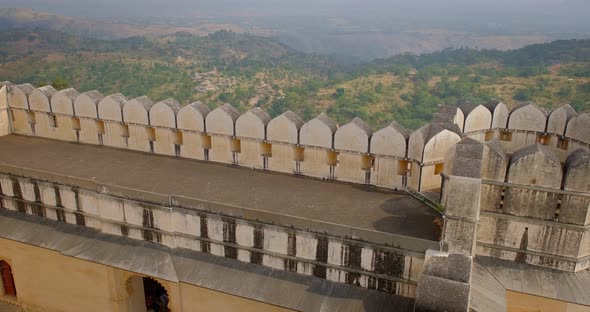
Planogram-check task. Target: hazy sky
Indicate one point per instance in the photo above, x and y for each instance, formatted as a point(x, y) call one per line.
point(445, 8)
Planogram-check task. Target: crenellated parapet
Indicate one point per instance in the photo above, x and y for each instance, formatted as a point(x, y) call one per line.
point(391, 157)
point(534, 208)
point(562, 128)
point(317, 148)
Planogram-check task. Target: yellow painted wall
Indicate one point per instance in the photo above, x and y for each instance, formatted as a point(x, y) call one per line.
point(165, 140)
point(282, 159)
point(221, 149)
point(113, 135)
point(49, 281)
point(350, 168)
point(521, 302)
point(20, 122)
point(251, 154)
point(88, 131)
point(139, 138)
point(315, 163)
point(192, 145)
point(65, 129)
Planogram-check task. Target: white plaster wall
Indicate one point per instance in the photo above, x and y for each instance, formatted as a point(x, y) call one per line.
point(88, 203)
point(306, 246)
point(275, 240)
point(215, 228)
point(244, 235)
point(367, 259)
point(336, 253)
point(111, 209)
point(186, 223)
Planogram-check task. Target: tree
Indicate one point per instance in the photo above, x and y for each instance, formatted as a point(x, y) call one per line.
point(60, 83)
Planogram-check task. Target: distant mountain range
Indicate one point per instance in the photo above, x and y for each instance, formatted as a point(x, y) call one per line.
point(359, 37)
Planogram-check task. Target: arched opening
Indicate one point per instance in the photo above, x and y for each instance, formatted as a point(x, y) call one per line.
point(147, 295)
point(7, 280)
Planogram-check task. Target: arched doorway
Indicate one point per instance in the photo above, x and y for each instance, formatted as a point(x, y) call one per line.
point(7, 279)
point(147, 295)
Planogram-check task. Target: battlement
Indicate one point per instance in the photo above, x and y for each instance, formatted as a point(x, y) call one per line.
point(533, 207)
point(514, 184)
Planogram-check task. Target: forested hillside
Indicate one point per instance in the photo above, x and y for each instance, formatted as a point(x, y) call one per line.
point(247, 70)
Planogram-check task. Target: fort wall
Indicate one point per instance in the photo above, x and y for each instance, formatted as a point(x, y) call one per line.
point(373, 260)
point(529, 188)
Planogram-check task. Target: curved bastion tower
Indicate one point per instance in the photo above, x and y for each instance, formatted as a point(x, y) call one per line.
point(117, 203)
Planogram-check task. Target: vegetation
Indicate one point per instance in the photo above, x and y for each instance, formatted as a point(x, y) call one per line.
point(407, 88)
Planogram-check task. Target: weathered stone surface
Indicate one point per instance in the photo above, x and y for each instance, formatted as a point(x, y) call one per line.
point(448, 266)
point(437, 294)
point(461, 197)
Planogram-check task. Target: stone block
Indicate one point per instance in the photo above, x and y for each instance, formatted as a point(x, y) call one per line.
point(436, 294)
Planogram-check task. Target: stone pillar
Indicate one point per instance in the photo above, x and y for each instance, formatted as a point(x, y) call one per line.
point(461, 198)
point(5, 127)
point(445, 283)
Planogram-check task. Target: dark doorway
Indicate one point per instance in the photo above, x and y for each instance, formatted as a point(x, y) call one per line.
point(156, 296)
point(7, 280)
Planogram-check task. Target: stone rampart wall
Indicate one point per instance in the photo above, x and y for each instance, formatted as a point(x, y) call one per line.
point(178, 222)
